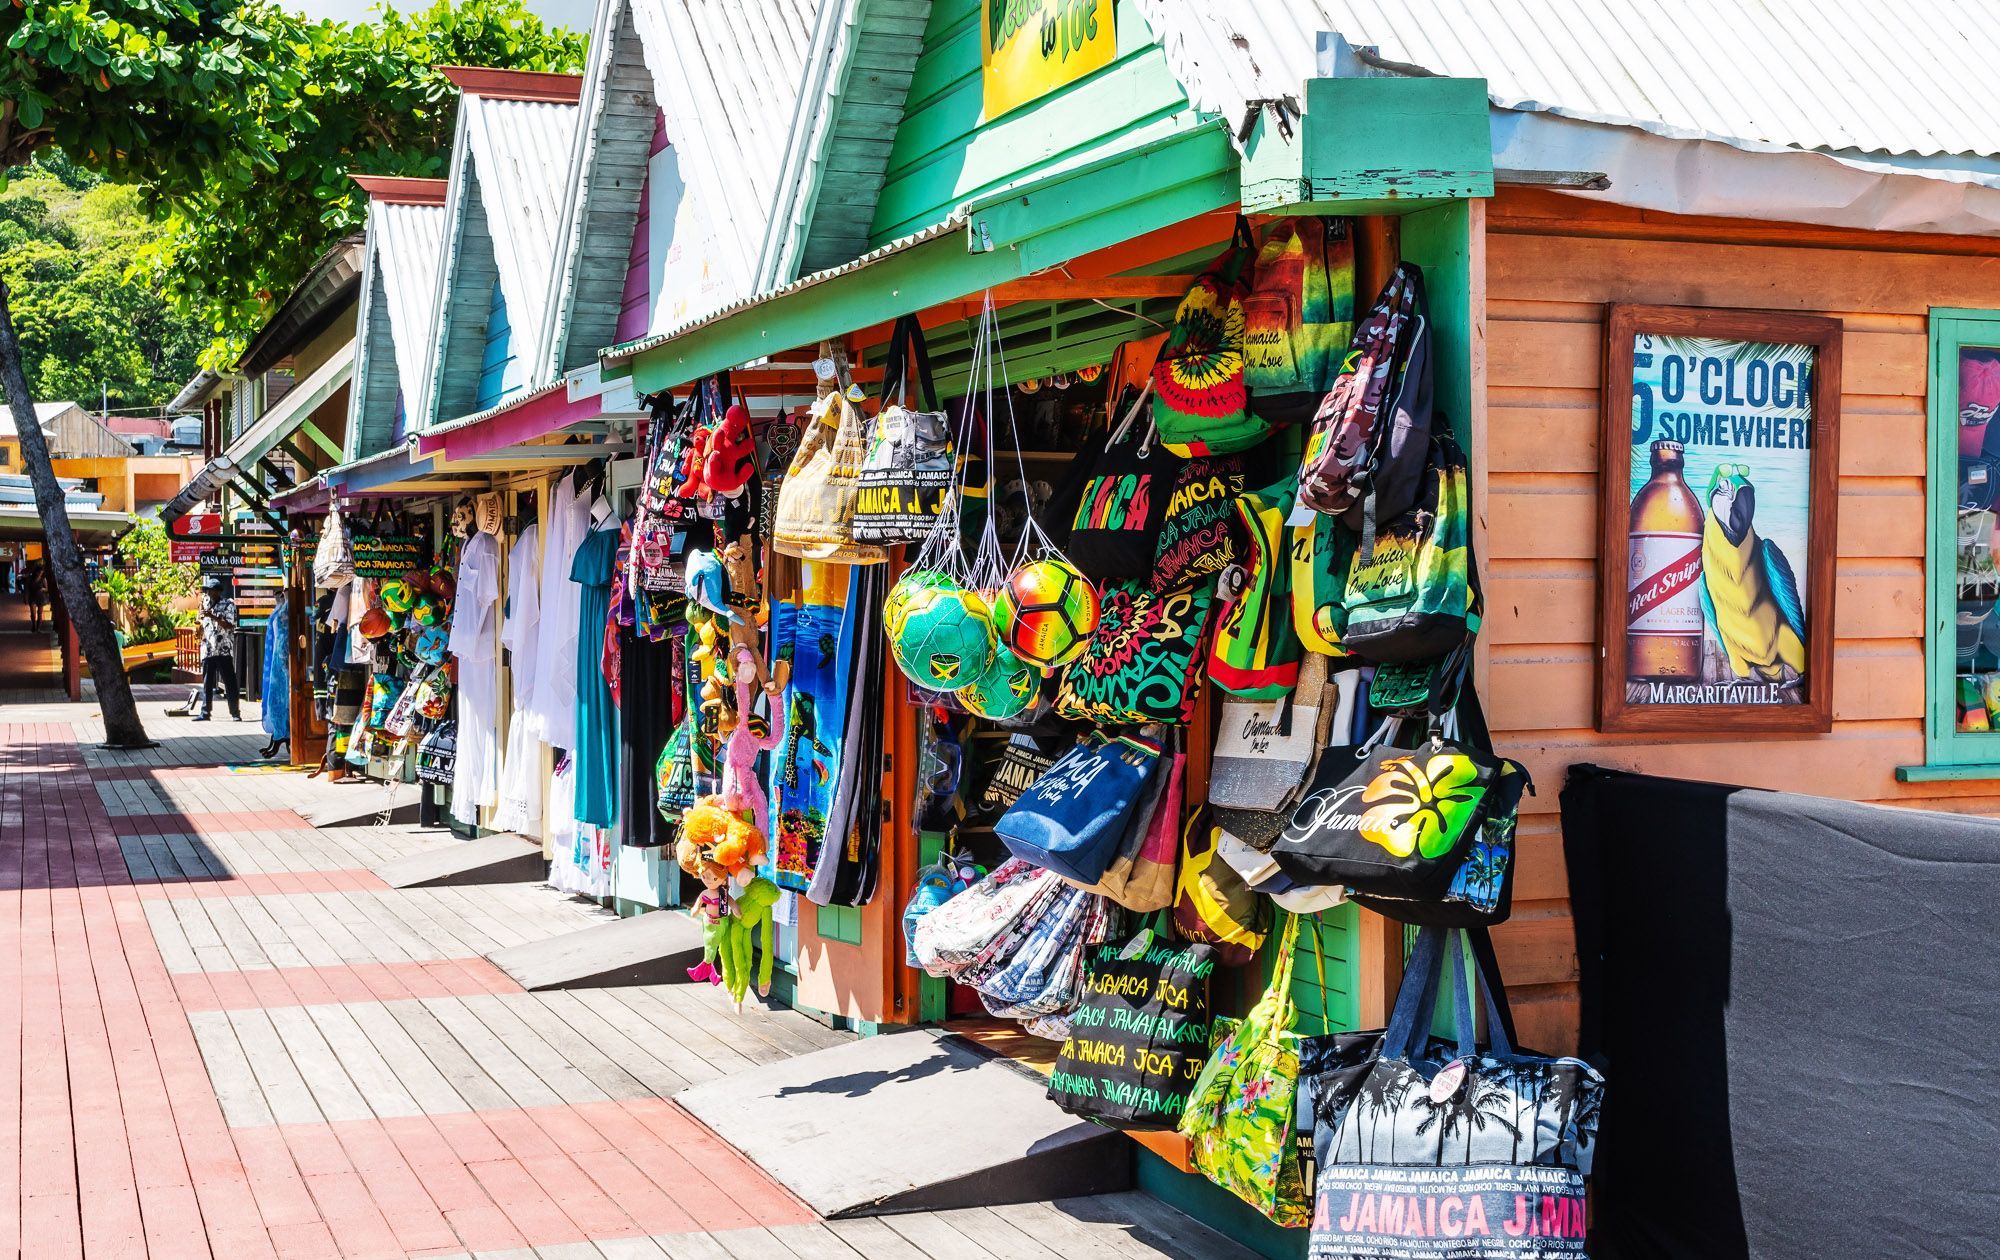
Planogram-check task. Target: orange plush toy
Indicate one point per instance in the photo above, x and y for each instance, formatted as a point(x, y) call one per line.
point(718, 844)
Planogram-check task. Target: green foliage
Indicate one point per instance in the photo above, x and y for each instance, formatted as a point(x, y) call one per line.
point(147, 582)
point(87, 305)
point(240, 123)
point(371, 101)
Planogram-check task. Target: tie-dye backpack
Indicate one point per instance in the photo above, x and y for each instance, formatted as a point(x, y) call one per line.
point(1298, 317)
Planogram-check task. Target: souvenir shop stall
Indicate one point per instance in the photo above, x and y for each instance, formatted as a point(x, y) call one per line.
point(1102, 683)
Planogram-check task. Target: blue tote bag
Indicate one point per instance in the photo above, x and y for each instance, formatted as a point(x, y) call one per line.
point(1073, 818)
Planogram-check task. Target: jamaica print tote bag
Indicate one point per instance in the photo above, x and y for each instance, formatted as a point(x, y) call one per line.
point(1145, 661)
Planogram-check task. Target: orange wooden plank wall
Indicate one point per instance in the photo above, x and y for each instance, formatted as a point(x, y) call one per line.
point(1553, 262)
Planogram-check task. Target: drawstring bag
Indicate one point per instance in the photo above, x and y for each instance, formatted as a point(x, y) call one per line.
point(1365, 459)
point(333, 559)
point(1139, 1035)
point(1489, 1142)
point(1239, 1119)
point(1115, 518)
point(816, 504)
point(1199, 401)
point(908, 471)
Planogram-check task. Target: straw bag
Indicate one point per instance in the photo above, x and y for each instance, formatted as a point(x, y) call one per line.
point(817, 501)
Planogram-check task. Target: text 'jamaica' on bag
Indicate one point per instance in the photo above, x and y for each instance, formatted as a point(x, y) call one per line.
point(909, 468)
point(1140, 1036)
point(1074, 817)
point(1437, 1149)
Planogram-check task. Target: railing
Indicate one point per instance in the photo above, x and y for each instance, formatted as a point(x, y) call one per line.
point(187, 649)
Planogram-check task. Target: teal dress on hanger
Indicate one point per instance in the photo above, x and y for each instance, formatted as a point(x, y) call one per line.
point(594, 570)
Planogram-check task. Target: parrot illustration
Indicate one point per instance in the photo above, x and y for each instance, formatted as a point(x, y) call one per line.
point(1749, 597)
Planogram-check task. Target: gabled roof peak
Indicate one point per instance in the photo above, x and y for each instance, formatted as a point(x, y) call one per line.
point(404, 190)
point(516, 85)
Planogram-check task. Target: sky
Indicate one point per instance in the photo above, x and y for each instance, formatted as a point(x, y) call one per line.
point(575, 14)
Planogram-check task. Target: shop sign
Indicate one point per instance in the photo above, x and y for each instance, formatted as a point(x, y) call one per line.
point(1029, 48)
point(1719, 433)
point(388, 555)
point(193, 523)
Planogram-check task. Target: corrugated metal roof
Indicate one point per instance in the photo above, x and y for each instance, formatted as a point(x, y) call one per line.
point(953, 223)
point(1843, 76)
point(727, 79)
point(408, 241)
point(521, 157)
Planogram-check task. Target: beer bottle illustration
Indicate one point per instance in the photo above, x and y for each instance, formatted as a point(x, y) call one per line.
point(1663, 597)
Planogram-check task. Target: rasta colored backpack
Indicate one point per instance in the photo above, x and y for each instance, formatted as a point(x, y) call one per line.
point(1201, 406)
point(1365, 459)
point(1417, 596)
point(1299, 316)
point(1257, 650)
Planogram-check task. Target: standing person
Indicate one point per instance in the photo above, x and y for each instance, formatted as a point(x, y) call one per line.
point(218, 648)
point(35, 589)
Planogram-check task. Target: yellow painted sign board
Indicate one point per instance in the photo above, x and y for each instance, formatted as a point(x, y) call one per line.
point(1029, 48)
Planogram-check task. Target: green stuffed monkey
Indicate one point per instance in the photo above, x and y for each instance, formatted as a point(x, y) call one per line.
point(753, 912)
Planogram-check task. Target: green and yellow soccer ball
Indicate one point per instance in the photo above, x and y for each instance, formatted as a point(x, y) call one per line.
point(1007, 688)
point(940, 634)
point(1046, 612)
point(907, 587)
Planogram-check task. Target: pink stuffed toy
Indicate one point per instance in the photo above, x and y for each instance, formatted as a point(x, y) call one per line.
point(740, 787)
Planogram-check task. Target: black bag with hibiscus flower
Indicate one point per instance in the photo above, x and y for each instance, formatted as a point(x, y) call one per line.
point(1200, 403)
point(1145, 661)
point(1395, 821)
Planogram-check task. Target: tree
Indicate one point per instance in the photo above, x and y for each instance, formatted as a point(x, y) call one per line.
point(223, 114)
point(161, 93)
point(371, 101)
point(87, 307)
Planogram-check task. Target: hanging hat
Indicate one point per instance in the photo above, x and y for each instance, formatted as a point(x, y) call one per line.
point(432, 642)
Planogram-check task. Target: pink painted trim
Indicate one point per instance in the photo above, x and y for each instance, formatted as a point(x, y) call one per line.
point(537, 417)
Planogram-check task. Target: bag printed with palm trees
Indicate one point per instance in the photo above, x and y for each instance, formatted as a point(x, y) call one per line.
point(1239, 1120)
point(1434, 1148)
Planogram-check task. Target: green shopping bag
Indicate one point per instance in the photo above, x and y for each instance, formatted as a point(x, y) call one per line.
point(1239, 1120)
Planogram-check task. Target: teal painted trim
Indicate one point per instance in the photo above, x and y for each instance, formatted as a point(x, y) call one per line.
point(932, 991)
point(1948, 774)
point(840, 923)
point(1138, 191)
point(498, 354)
point(1945, 747)
point(1423, 138)
point(1215, 1207)
point(1440, 241)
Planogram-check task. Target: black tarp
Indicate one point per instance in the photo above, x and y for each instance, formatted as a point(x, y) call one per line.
point(1796, 1002)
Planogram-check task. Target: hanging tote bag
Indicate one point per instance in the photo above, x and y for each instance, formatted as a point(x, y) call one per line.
point(1265, 751)
point(1141, 877)
point(1199, 401)
point(1256, 654)
point(333, 559)
point(1115, 520)
point(1212, 903)
point(1240, 1119)
point(1416, 596)
point(1043, 974)
point(1365, 458)
point(815, 519)
point(955, 935)
point(1434, 1149)
point(1072, 820)
point(1322, 554)
point(1140, 1036)
point(908, 470)
point(1299, 316)
point(1144, 661)
point(1389, 820)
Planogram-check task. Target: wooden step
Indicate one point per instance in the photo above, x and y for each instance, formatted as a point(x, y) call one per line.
point(504, 858)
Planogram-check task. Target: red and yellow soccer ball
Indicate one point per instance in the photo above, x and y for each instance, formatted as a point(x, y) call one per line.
point(1046, 612)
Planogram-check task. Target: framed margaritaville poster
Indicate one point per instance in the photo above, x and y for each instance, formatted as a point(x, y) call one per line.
point(1720, 462)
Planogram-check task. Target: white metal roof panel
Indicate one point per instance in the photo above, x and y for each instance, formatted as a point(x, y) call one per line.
point(727, 80)
point(521, 159)
point(1842, 76)
point(409, 239)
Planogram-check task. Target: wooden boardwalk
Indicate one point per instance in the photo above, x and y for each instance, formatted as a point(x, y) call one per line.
point(221, 1034)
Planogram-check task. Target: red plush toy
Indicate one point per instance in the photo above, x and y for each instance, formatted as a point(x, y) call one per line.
point(731, 453)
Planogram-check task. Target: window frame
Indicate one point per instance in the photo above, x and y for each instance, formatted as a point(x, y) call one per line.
point(1948, 752)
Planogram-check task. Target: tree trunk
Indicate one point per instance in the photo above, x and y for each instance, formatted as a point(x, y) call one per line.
point(122, 728)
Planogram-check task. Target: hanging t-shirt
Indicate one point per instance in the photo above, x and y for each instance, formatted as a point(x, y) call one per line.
point(476, 776)
point(554, 708)
point(520, 806)
point(596, 722)
point(277, 672)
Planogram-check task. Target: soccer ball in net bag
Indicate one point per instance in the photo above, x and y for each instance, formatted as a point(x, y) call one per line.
point(941, 636)
point(1046, 612)
point(1007, 688)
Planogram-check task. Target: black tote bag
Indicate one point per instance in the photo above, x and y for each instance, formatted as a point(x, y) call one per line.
point(1140, 1037)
